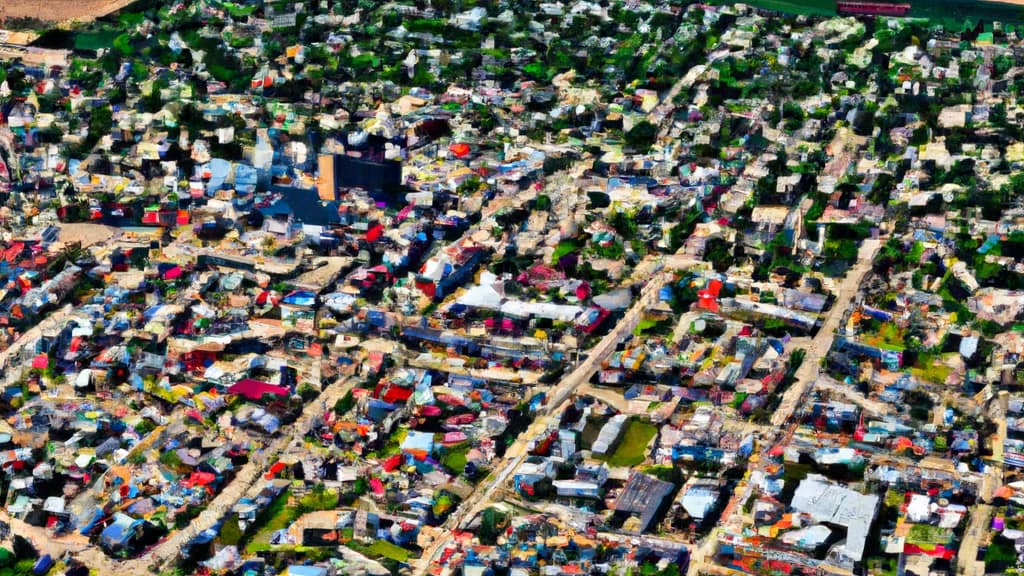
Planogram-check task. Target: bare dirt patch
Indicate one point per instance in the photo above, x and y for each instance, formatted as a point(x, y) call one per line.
point(60, 10)
point(85, 233)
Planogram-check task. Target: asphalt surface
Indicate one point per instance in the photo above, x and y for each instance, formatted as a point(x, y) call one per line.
point(549, 416)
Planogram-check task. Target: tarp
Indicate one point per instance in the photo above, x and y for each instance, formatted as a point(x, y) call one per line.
point(300, 298)
point(255, 389)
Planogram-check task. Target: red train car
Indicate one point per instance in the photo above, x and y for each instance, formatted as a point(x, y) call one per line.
point(872, 9)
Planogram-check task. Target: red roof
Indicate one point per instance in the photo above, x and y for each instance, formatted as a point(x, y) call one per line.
point(393, 462)
point(376, 486)
point(277, 467)
point(396, 394)
point(255, 389)
point(11, 254)
point(199, 479)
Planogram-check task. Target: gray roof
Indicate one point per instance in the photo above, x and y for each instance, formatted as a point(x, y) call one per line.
point(828, 502)
point(643, 496)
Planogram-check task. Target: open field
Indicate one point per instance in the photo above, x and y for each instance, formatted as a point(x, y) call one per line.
point(61, 10)
point(951, 13)
point(632, 448)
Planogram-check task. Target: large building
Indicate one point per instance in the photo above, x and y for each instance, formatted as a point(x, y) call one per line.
point(832, 503)
point(642, 497)
point(341, 171)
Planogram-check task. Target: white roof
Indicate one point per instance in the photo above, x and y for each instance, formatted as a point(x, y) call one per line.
point(54, 504)
point(918, 509)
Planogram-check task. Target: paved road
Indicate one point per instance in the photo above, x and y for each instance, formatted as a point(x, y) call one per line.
point(548, 416)
point(974, 535)
point(248, 482)
point(806, 377)
point(808, 372)
point(556, 398)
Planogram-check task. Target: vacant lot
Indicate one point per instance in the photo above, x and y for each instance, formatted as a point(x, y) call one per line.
point(61, 10)
point(632, 447)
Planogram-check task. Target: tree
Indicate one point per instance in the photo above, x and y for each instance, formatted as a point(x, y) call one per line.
point(542, 203)
point(468, 186)
point(719, 253)
point(842, 249)
point(641, 136)
point(344, 404)
point(100, 123)
point(624, 223)
point(919, 136)
point(492, 523)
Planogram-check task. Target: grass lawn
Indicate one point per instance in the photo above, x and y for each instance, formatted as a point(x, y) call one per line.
point(926, 534)
point(280, 515)
point(385, 549)
point(632, 448)
point(737, 400)
point(95, 40)
point(455, 457)
point(931, 369)
point(644, 325)
point(888, 336)
point(809, 7)
point(894, 498)
point(955, 15)
point(564, 247)
point(591, 431)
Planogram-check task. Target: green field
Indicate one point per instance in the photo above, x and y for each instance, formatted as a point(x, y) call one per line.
point(386, 549)
point(953, 14)
point(632, 448)
point(381, 549)
point(808, 7)
point(95, 40)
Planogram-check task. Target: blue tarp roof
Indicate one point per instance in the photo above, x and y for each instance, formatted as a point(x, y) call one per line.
point(415, 440)
point(219, 170)
point(300, 298)
point(120, 531)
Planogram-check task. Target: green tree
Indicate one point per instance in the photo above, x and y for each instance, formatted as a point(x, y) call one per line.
point(641, 136)
point(719, 253)
point(100, 123)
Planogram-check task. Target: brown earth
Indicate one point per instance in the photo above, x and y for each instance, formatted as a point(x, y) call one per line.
point(60, 10)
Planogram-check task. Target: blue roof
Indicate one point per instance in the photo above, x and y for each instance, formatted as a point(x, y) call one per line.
point(120, 531)
point(416, 440)
point(298, 570)
point(305, 205)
